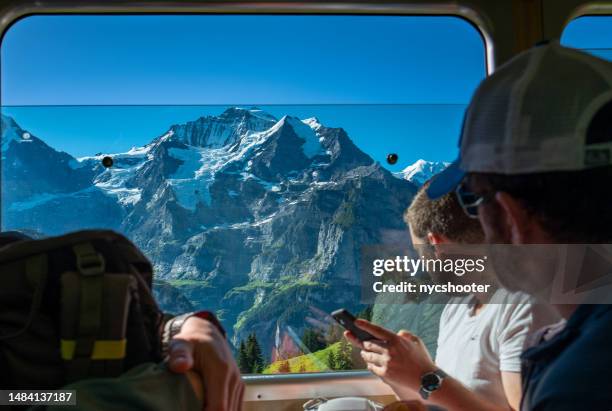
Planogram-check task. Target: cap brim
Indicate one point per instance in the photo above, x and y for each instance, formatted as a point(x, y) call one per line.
point(446, 181)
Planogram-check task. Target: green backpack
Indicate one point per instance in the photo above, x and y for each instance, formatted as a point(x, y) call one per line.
point(75, 307)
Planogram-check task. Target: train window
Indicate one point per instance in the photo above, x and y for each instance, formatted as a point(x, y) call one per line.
point(590, 33)
point(249, 156)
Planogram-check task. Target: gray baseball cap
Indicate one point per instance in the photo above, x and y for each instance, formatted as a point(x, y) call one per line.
point(533, 115)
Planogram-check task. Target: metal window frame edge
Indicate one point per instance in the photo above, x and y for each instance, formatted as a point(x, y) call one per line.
point(12, 14)
point(589, 9)
point(362, 381)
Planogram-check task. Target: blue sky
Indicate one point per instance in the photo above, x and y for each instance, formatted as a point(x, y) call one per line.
point(429, 64)
point(396, 84)
point(593, 33)
point(239, 59)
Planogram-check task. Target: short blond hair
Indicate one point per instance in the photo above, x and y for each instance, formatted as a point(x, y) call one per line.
point(443, 216)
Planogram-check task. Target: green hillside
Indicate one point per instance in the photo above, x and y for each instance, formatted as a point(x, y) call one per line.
point(314, 362)
point(344, 358)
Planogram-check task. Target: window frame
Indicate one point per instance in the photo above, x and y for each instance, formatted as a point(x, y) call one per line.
point(277, 386)
point(556, 19)
point(586, 10)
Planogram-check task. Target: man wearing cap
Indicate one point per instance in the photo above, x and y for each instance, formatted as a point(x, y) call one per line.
point(535, 167)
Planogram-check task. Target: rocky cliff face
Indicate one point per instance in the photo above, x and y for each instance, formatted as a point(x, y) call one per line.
point(254, 217)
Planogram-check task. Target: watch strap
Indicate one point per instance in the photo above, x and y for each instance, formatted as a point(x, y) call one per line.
point(424, 392)
point(173, 326)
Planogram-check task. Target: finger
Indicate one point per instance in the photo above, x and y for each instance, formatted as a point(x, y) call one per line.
point(216, 391)
point(375, 346)
point(377, 331)
point(232, 385)
point(180, 356)
point(216, 380)
point(373, 358)
point(407, 335)
point(235, 384)
point(240, 396)
point(376, 370)
point(353, 340)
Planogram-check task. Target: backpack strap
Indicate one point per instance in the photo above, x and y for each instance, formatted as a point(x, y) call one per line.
point(95, 309)
point(90, 265)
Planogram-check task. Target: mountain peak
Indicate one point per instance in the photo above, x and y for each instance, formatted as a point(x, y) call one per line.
point(313, 123)
point(10, 131)
point(233, 112)
point(209, 190)
point(312, 142)
point(223, 129)
point(7, 119)
point(421, 171)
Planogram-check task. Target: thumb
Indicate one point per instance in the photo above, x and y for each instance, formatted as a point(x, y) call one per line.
point(180, 356)
point(407, 335)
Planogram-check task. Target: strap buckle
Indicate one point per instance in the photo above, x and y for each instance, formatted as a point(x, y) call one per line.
point(88, 261)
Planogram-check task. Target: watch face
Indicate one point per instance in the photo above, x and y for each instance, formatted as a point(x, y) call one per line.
point(430, 382)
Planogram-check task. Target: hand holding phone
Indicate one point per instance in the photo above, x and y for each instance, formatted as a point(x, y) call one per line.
point(347, 320)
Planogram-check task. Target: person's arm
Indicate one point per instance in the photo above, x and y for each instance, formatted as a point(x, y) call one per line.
point(201, 347)
point(455, 396)
point(511, 381)
point(401, 359)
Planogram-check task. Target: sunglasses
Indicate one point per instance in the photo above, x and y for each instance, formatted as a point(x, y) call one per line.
point(469, 201)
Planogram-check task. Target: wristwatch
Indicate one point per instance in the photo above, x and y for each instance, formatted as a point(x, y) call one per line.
point(430, 382)
point(173, 326)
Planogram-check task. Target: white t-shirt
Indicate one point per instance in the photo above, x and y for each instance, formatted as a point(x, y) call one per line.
point(476, 348)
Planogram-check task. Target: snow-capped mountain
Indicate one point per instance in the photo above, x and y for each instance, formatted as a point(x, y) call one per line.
point(421, 171)
point(222, 130)
point(254, 217)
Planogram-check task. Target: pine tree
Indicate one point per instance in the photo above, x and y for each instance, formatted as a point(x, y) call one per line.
point(344, 359)
point(258, 361)
point(255, 361)
point(331, 360)
point(244, 363)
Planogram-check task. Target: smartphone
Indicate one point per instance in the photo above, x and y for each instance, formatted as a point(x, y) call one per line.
point(347, 320)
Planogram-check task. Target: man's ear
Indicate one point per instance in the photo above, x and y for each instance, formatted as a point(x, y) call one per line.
point(514, 217)
point(434, 239)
